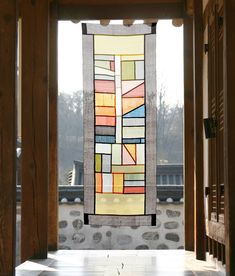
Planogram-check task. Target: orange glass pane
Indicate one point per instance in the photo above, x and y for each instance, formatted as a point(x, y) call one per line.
point(129, 104)
point(105, 121)
point(134, 190)
point(98, 182)
point(105, 111)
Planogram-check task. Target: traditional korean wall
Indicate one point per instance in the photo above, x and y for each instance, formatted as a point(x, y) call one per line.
point(73, 234)
point(167, 234)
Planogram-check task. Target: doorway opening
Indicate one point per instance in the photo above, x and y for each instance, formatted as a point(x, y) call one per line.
point(168, 232)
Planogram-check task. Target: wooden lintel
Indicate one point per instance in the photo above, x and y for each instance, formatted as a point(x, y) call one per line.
point(53, 145)
point(117, 3)
point(188, 134)
point(229, 134)
point(35, 166)
point(121, 11)
point(8, 36)
point(200, 239)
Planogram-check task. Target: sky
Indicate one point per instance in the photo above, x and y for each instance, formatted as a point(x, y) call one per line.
point(169, 59)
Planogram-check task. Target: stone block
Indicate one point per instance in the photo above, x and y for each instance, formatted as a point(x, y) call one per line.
point(171, 225)
point(150, 236)
point(172, 214)
point(172, 237)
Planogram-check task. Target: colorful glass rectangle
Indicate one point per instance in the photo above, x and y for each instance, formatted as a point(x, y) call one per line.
point(120, 123)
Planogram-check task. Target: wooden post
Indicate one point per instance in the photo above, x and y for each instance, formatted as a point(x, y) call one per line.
point(53, 145)
point(35, 167)
point(200, 241)
point(8, 35)
point(188, 135)
point(229, 134)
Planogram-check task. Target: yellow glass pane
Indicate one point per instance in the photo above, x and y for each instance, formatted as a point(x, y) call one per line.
point(132, 57)
point(118, 183)
point(119, 45)
point(102, 99)
point(118, 204)
point(128, 169)
point(133, 132)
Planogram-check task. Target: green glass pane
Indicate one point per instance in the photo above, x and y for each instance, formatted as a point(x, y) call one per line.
point(98, 162)
point(128, 70)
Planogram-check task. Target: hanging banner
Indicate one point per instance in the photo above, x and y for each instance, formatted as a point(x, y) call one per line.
point(119, 72)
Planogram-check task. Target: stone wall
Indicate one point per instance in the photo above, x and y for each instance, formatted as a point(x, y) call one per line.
point(73, 234)
point(167, 234)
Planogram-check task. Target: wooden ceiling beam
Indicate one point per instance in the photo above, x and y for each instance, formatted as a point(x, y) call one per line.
point(116, 2)
point(72, 10)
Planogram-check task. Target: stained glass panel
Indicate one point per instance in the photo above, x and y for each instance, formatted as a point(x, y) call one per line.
point(122, 187)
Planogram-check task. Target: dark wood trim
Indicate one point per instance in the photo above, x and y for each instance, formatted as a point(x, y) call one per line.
point(35, 166)
point(216, 231)
point(229, 134)
point(96, 11)
point(200, 242)
point(117, 3)
point(206, 12)
point(53, 143)
point(8, 36)
point(189, 7)
point(188, 135)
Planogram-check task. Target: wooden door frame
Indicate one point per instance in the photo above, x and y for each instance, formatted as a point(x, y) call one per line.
point(76, 9)
point(38, 245)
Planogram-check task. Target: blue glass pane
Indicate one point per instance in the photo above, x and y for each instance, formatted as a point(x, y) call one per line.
point(131, 141)
point(137, 113)
point(105, 139)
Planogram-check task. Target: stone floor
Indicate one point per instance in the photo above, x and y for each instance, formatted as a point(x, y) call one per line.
point(118, 263)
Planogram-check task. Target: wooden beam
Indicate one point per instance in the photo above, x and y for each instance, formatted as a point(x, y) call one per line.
point(53, 145)
point(88, 11)
point(35, 167)
point(229, 134)
point(188, 135)
point(117, 3)
point(200, 243)
point(8, 35)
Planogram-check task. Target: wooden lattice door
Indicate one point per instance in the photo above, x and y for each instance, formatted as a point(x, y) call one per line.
point(215, 225)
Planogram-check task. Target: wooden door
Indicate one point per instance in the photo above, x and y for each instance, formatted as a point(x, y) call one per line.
point(215, 223)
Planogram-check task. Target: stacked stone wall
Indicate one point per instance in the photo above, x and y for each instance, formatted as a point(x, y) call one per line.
point(167, 234)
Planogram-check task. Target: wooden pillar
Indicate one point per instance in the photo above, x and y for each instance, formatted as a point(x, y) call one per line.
point(8, 36)
point(229, 134)
point(35, 167)
point(188, 135)
point(200, 241)
point(53, 145)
